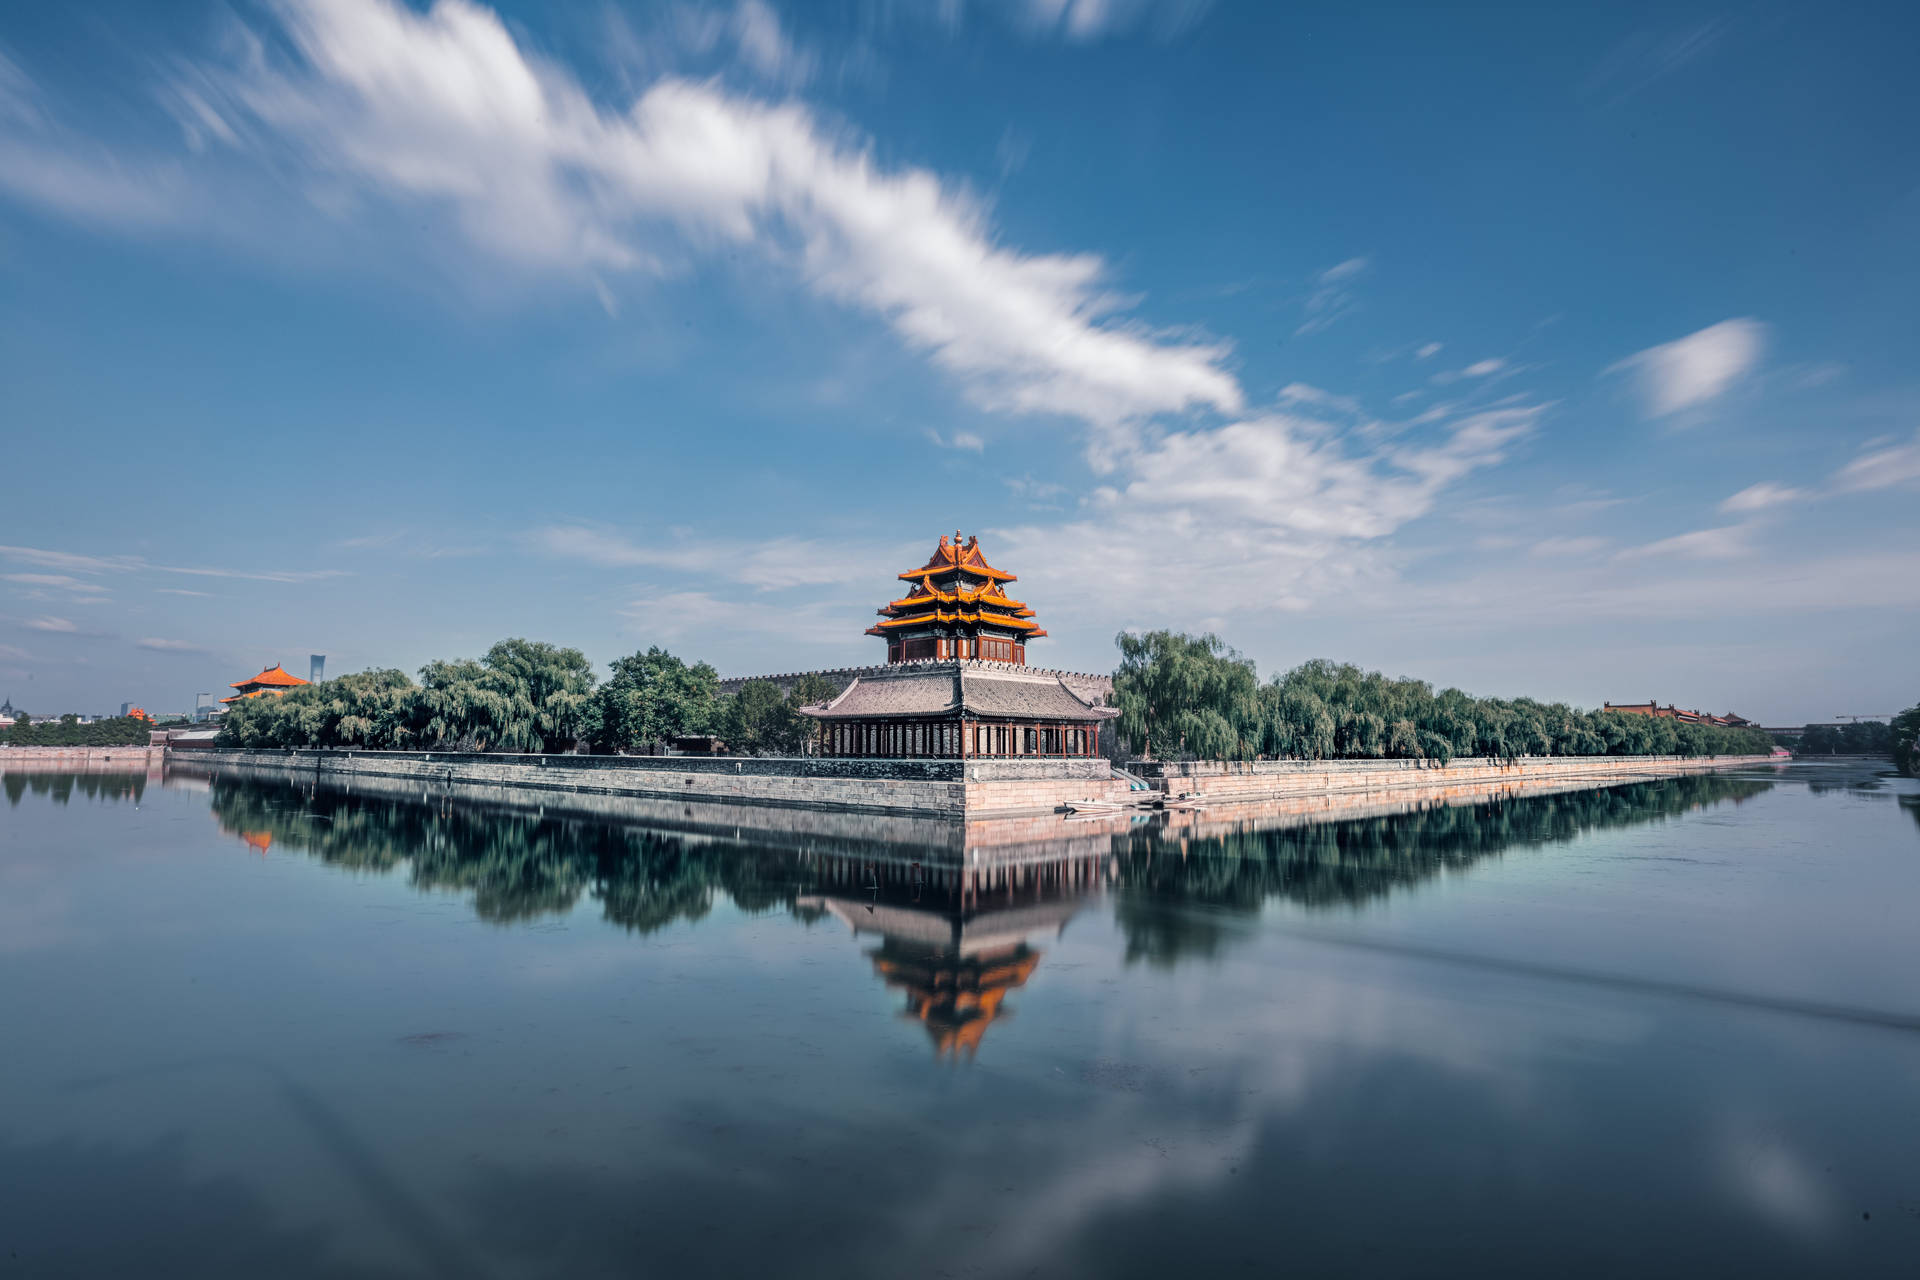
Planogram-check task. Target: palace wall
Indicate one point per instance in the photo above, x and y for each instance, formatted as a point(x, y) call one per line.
point(1282, 779)
point(947, 788)
point(939, 789)
point(78, 759)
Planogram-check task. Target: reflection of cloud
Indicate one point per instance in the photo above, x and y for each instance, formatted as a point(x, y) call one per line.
point(1779, 1183)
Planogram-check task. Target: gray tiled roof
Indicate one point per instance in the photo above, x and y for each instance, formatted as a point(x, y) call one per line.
point(988, 690)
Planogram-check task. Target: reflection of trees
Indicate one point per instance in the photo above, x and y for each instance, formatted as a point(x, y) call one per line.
point(1165, 877)
point(61, 786)
point(517, 865)
point(1178, 895)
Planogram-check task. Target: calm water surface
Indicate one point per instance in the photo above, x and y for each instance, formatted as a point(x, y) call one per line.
point(1671, 1028)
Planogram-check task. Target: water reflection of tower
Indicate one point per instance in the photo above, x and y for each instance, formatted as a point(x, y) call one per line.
point(954, 940)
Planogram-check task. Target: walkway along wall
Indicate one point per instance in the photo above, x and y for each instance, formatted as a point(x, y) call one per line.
point(939, 788)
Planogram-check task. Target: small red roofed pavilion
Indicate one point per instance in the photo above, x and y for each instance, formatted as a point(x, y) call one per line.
point(273, 682)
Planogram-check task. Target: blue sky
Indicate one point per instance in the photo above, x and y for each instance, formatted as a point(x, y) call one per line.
point(1535, 349)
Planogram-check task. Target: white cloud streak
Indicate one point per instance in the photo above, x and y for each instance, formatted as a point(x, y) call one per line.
point(444, 108)
point(1692, 370)
point(1086, 21)
point(158, 645)
point(765, 564)
point(1759, 497)
point(1722, 543)
point(94, 565)
point(1884, 468)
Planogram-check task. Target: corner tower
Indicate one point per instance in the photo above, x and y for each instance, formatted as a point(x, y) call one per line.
point(956, 608)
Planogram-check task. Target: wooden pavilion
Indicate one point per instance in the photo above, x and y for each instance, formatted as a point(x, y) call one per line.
point(271, 683)
point(956, 684)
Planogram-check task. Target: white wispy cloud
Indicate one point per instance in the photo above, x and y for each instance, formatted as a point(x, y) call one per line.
point(963, 440)
point(1332, 295)
point(1085, 21)
point(765, 47)
point(445, 109)
point(99, 565)
point(1650, 55)
point(169, 646)
point(1881, 468)
point(1569, 547)
point(765, 563)
point(63, 625)
point(1721, 543)
point(677, 615)
point(1692, 370)
point(1428, 351)
point(1758, 497)
point(1482, 368)
point(1280, 512)
point(45, 580)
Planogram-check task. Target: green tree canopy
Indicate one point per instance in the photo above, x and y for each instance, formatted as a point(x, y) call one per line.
point(653, 696)
point(1905, 732)
point(1193, 696)
point(758, 721)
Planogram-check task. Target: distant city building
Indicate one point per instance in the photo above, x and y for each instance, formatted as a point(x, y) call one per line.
point(271, 683)
point(316, 667)
point(1670, 712)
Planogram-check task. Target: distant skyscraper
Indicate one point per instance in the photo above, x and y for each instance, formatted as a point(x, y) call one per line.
point(317, 668)
point(125, 707)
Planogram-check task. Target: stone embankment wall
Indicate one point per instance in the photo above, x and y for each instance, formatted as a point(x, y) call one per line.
point(1283, 779)
point(79, 759)
point(950, 788)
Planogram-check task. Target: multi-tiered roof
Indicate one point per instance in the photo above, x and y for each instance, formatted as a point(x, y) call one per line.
point(957, 607)
point(272, 682)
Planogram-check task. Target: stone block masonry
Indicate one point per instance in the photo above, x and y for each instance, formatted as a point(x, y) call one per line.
point(937, 788)
point(1285, 779)
point(933, 788)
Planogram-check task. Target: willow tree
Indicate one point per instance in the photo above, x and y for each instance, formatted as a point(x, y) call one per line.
point(1189, 695)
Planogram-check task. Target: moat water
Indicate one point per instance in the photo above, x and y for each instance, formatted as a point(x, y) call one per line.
point(249, 1029)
